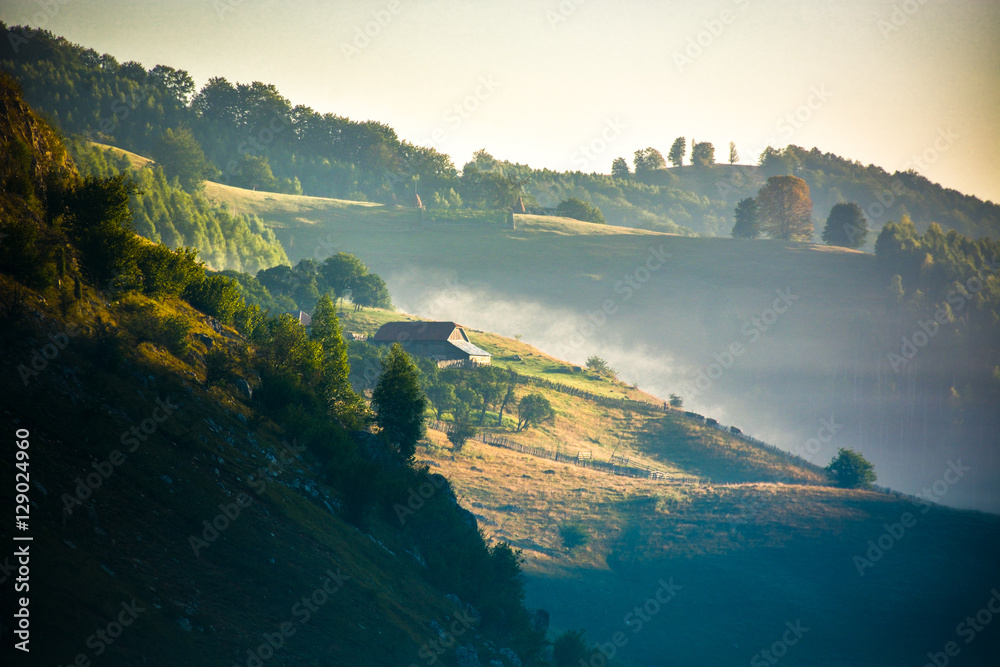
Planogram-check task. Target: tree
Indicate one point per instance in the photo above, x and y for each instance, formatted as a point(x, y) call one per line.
point(747, 219)
point(254, 173)
point(580, 210)
point(573, 535)
point(734, 157)
point(846, 226)
point(399, 403)
point(341, 271)
point(703, 154)
point(100, 223)
point(677, 151)
point(619, 168)
point(532, 410)
point(595, 364)
point(461, 431)
point(179, 154)
point(647, 160)
point(851, 470)
point(340, 396)
point(571, 650)
point(676, 401)
point(785, 209)
point(490, 383)
point(370, 291)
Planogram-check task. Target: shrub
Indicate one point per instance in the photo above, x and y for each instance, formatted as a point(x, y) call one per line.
point(851, 470)
point(573, 535)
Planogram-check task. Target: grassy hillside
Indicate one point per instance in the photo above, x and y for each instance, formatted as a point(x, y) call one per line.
point(665, 310)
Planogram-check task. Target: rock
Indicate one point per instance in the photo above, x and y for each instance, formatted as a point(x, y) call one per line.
point(466, 656)
point(244, 388)
point(538, 619)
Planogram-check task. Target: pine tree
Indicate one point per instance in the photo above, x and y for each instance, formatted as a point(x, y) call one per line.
point(399, 402)
point(343, 400)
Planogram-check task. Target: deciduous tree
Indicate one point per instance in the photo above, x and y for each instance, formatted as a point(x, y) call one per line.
point(677, 151)
point(785, 209)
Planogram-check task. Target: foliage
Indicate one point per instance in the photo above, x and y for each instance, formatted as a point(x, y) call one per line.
point(336, 387)
point(461, 430)
point(217, 296)
point(702, 154)
point(254, 173)
point(851, 470)
point(165, 271)
point(734, 156)
point(570, 649)
point(619, 168)
point(399, 402)
point(677, 151)
point(163, 212)
point(648, 159)
point(100, 225)
point(573, 535)
point(846, 226)
point(676, 401)
point(180, 156)
point(218, 367)
point(370, 291)
point(785, 209)
point(596, 364)
point(747, 219)
point(580, 210)
point(532, 410)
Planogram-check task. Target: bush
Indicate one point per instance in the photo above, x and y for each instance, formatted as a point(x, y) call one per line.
point(218, 367)
point(217, 296)
point(851, 470)
point(573, 535)
point(571, 649)
point(165, 271)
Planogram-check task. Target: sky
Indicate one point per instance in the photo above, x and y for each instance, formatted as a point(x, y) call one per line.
point(573, 84)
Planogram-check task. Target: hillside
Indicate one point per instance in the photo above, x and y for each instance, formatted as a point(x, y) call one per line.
point(778, 546)
point(182, 495)
point(665, 309)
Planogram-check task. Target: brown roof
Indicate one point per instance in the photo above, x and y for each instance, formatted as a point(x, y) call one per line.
point(403, 331)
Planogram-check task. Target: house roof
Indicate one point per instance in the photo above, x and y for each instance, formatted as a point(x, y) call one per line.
point(469, 348)
point(405, 331)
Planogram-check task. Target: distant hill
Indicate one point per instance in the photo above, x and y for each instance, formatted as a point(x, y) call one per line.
point(326, 155)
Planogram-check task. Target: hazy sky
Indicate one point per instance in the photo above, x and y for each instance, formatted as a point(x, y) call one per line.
point(576, 83)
